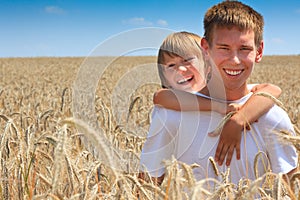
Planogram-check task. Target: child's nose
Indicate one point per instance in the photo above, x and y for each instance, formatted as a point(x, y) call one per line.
point(182, 68)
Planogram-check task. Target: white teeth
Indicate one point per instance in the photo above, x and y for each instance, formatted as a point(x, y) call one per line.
point(181, 81)
point(233, 73)
point(184, 80)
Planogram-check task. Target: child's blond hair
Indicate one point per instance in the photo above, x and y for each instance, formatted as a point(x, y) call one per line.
point(183, 44)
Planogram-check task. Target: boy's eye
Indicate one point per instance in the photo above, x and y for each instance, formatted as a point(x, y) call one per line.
point(224, 48)
point(246, 49)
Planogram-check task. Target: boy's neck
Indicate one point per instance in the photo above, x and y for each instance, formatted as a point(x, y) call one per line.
point(226, 94)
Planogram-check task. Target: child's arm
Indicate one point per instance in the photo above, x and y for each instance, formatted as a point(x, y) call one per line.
point(255, 107)
point(184, 101)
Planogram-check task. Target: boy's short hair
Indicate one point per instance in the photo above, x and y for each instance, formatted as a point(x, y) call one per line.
point(183, 44)
point(233, 14)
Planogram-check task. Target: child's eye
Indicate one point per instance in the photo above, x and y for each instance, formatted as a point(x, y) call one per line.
point(189, 59)
point(170, 65)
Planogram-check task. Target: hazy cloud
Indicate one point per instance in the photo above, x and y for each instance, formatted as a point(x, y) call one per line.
point(298, 11)
point(54, 10)
point(162, 22)
point(277, 41)
point(140, 21)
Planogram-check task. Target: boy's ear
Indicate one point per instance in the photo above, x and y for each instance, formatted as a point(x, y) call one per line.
point(204, 44)
point(259, 52)
point(205, 47)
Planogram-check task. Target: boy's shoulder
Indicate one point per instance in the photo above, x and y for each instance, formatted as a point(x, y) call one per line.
point(276, 118)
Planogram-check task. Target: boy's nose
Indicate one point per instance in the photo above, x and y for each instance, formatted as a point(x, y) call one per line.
point(235, 58)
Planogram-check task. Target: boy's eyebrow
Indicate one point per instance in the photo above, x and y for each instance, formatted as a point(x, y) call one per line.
point(221, 44)
point(248, 45)
point(226, 45)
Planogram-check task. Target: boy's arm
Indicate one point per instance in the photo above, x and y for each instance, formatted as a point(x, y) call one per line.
point(185, 101)
point(255, 107)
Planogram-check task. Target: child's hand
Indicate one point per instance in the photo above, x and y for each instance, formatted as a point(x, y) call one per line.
point(230, 139)
point(233, 107)
point(226, 108)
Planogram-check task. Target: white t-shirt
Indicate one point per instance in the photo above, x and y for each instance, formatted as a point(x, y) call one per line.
point(184, 136)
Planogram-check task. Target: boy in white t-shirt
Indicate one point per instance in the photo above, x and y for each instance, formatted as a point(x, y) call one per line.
point(185, 134)
point(181, 81)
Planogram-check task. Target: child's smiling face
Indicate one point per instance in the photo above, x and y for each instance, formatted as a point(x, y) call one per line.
point(183, 73)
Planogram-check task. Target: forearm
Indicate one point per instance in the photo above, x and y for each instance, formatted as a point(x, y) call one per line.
point(185, 101)
point(258, 105)
point(271, 89)
point(254, 108)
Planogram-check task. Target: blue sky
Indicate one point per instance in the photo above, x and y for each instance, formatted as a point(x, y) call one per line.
point(32, 28)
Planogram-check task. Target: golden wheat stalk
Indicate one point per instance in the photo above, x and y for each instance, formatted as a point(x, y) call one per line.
point(188, 175)
point(256, 164)
point(45, 180)
point(200, 191)
point(137, 183)
point(153, 188)
point(58, 159)
point(295, 183)
point(98, 141)
point(220, 126)
point(135, 101)
point(214, 165)
point(63, 99)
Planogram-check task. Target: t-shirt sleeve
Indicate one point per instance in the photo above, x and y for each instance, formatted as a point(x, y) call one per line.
point(282, 154)
point(160, 144)
point(250, 86)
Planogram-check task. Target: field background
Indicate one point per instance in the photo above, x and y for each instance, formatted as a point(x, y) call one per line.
point(43, 157)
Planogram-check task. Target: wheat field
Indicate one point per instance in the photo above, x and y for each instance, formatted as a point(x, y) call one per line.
point(47, 154)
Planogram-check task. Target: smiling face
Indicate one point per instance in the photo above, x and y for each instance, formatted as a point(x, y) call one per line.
point(183, 73)
point(234, 53)
point(181, 63)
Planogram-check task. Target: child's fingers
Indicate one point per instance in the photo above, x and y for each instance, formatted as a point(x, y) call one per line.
point(218, 151)
point(238, 151)
point(229, 155)
point(231, 151)
point(221, 154)
point(213, 134)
